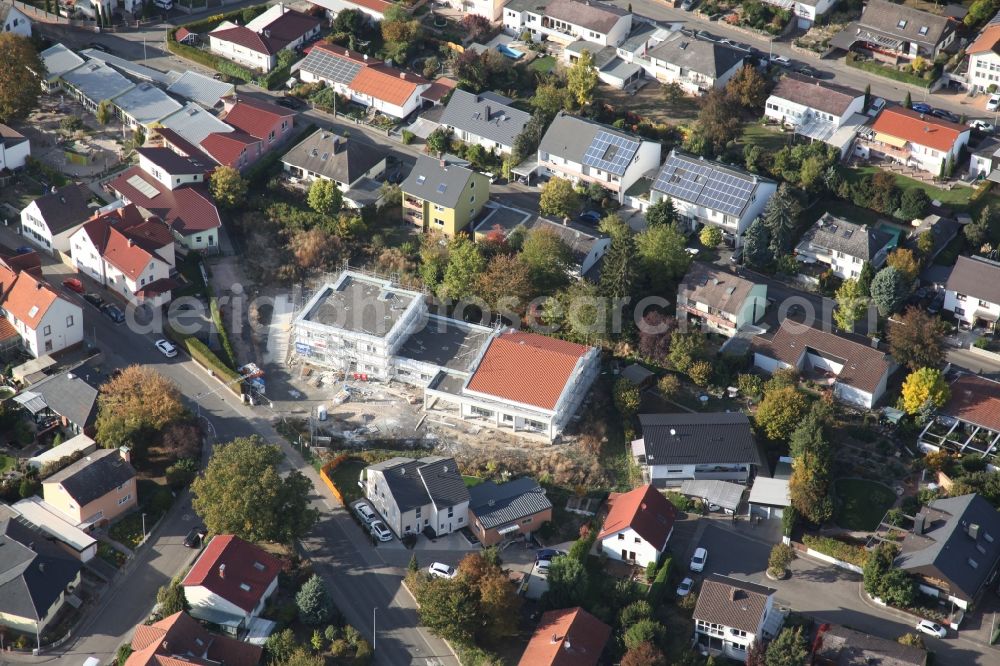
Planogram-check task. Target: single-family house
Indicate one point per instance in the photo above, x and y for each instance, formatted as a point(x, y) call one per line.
point(486, 119)
point(719, 300)
point(638, 526)
point(13, 20)
point(984, 57)
point(52, 218)
point(890, 32)
point(37, 577)
point(416, 495)
point(731, 614)
point(500, 512)
point(69, 397)
point(844, 246)
point(95, 489)
point(127, 254)
point(972, 292)
point(35, 513)
point(836, 645)
point(270, 124)
point(611, 68)
point(953, 549)
point(367, 81)
point(257, 44)
point(352, 166)
point(969, 422)
point(566, 636)
point(696, 65)
point(443, 194)
point(824, 111)
point(856, 371)
point(565, 21)
point(45, 321)
point(586, 152)
point(806, 12)
point(708, 192)
point(180, 640)
point(230, 583)
point(15, 149)
point(373, 10)
point(58, 60)
point(678, 447)
point(913, 139)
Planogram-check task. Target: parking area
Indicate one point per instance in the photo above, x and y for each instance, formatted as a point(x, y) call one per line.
point(730, 553)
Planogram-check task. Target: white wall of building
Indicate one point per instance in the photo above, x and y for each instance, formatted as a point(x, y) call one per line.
point(15, 157)
point(17, 23)
point(965, 307)
point(170, 181)
point(241, 55)
point(984, 70)
point(61, 327)
point(636, 549)
point(516, 22)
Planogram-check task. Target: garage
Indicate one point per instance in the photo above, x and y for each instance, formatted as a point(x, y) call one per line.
point(722, 494)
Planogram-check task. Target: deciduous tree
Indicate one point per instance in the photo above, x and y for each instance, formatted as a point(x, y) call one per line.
point(581, 79)
point(710, 236)
point(643, 631)
point(654, 335)
point(19, 77)
point(447, 606)
point(627, 398)
point(883, 580)
point(644, 654)
point(914, 203)
point(505, 283)
point(686, 348)
point(916, 340)
point(852, 304)
point(903, 261)
point(228, 187)
point(547, 258)
point(104, 112)
point(171, 599)
point(924, 387)
point(749, 88)
point(812, 459)
point(913, 640)
point(559, 198)
point(136, 405)
point(439, 141)
point(662, 257)
point(568, 583)
point(325, 197)
point(780, 412)
point(465, 265)
point(719, 120)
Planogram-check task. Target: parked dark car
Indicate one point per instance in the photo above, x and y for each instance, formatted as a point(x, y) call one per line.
point(94, 299)
point(590, 217)
point(920, 107)
point(24, 249)
point(113, 312)
point(293, 103)
point(945, 115)
point(195, 537)
point(548, 554)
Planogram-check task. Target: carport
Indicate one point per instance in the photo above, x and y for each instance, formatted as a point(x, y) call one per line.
point(769, 497)
point(721, 493)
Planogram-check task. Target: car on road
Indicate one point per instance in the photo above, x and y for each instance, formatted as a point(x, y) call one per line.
point(364, 512)
point(380, 531)
point(781, 60)
point(97, 46)
point(113, 312)
point(876, 106)
point(293, 103)
point(542, 567)
point(548, 554)
point(920, 107)
point(698, 559)
point(931, 628)
point(24, 249)
point(737, 257)
point(441, 570)
point(684, 588)
point(687, 5)
point(993, 103)
point(195, 537)
point(945, 115)
point(589, 217)
point(806, 70)
point(166, 348)
point(73, 285)
point(94, 299)
point(983, 126)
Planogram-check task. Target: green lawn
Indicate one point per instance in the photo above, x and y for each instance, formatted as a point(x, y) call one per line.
point(471, 481)
point(113, 557)
point(543, 65)
point(6, 463)
point(128, 530)
point(767, 137)
point(860, 504)
point(345, 476)
point(958, 196)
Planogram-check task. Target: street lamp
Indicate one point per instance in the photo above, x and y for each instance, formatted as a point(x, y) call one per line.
point(144, 527)
point(373, 628)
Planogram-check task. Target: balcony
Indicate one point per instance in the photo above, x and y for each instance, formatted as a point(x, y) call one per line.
point(411, 202)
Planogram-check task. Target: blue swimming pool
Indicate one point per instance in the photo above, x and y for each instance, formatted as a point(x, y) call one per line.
point(513, 54)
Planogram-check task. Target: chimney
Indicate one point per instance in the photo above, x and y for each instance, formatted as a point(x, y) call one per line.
point(41, 567)
point(489, 113)
point(974, 531)
point(402, 75)
point(131, 242)
point(919, 523)
point(366, 56)
point(267, 32)
point(733, 593)
point(555, 638)
point(125, 453)
point(222, 571)
point(643, 506)
point(52, 189)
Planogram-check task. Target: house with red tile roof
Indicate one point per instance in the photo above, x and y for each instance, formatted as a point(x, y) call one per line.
point(128, 254)
point(180, 640)
point(365, 80)
point(257, 44)
point(984, 56)
point(638, 526)
point(268, 123)
point(915, 139)
point(230, 583)
point(566, 637)
point(969, 422)
point(45, 321)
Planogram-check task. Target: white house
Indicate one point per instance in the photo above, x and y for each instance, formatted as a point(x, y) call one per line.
point(806, 11)
point(844, 246)
point(915, 139)
point(817, 110)
point(351, 165)
point(491, 9)
point(565, 21)
point(984, 57)
point(731, 614)
point(638, 526)
point(719, 300)
point(972, 292)
point(230, 583)
point(857, 372)
point(697, 65)
point(15, 149)
point(586, 152)
point(414, 495)
point(486, 119)
point(51, 219)
point(45, 321)
point(707, 192)
point(257, 44)
point(13, 20)
point(374, 10)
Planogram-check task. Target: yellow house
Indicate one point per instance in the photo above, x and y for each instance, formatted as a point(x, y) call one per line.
point(94, 489)
point(443, 194)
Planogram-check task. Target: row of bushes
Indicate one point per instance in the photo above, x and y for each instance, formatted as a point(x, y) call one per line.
point(878, 68)
point(841, 550)
point(204, 356)
point(658, 590)
point(220, 327)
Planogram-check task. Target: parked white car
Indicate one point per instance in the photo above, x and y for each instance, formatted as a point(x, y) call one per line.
point(993, 103)
point(380, 531)
point(781, 60)
point(983, 126)
point(699, 559)
point(364, 511)
point(684, 588)
point(441, 570)
point(166, 348)
point(931, 628)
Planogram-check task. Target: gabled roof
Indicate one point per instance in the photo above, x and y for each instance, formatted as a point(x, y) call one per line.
point(702, 182)
point(226, 147)
point(179, 144)
point(29, 299)
point(695, 439)
point(146, 103)
point(194, 123)
point(430, 480)
point(256, 118)
point(93, 476)
point(129, 247)
point(58, 60)
point(97, 81)
point(10, 137)
point(567, 637)
point(441, 180)
point(586, 142)
point(64, 208)
point(854, 240)
point(645, 510)
point(839, 646)
point(820, 95)
point(715, 287)
point(235, 570)
point(596, 16)
point(187, 210)
point(977, 277)
point(955, 539)
point(988, 40)
point(709, 58)
point(335, 157)
point(732, 603)
point(486, 115)
point(902, 23)
point(974, 400)
point(527, 368)
point(284, 24)
point(200, 88)
point(509, 502)
point(179, 639)
point(333, 63)
point(918, 128)
point(363, 75)
point(248, 39)
point(387, 83)
point(68, 395)
point(864, 367)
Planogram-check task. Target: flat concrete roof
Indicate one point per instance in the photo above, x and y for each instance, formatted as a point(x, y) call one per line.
point(448, 383)
point(504, 217)
point(446, 343)
point(359, 305)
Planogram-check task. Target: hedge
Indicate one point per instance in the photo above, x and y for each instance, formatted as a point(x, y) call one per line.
point(658, 590)
point(227, 345)
point(839, 549)
point(889, 72)
point(205, 357)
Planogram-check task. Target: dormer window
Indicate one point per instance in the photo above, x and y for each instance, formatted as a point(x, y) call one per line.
point(244, 587)
point(923, 30)
point(901, 24)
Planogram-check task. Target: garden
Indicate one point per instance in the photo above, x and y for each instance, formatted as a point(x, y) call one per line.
point(919, 72)
point(861, 503)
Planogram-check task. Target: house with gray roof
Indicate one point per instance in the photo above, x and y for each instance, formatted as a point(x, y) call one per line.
point(194, 123)
point(972, 292)
point(418, 495)
point(499, 512)
point(95, 489)
point(697, 65)
point(953, 548)
point(352, 166)
point(443, 194)
point(678, 447)
point(731, 614)
point(36, 576)
point(199, 88)
point(13, 20)
point(818, 110)
point(144, 105)
point(52, 218)
point(612, 68)
point(95, 82)
point(708, 192)
point(587, 152)
point(891, 29)
point(565, 21)
point(719, 300)
point(487, 119)
point(844, 246)
point(58, 60)
point(67, 396)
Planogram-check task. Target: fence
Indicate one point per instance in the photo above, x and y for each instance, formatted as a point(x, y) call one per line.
point(324, 473)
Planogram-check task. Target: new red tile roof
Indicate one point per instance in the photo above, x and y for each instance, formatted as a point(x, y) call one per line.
point(257, 118)
point(975, 400)
point(29, 299)
point(386, 83)
point(567, 637)
point(439, 89)
point(921, 129)
point(527, 368)
point(180, 639)
point(187, 210)
point(226, 147)
point(128, 247)
point(643, 509)
point(987, 40)
point(182, 34)
point(245, 565)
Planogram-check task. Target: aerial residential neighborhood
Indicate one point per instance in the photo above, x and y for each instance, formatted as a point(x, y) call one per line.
point(527, 332)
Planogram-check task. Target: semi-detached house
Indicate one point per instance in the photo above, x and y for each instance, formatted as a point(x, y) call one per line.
point(817, 110)
point(350, 165)
point(417, 495)
point(972, 292)
point(95, 489)
point(565, 21)
point(914, 139)
point(44, 321)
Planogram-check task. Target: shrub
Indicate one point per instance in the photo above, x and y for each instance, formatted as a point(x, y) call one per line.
point(781, 556)
point(658, 590)
point(846, 552)
point(408, 137)
point(182, 472)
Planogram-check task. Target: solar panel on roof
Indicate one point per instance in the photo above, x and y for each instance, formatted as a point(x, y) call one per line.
point(332, 68)
point(705, 183)
point(610, 152)
point(140, 184)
